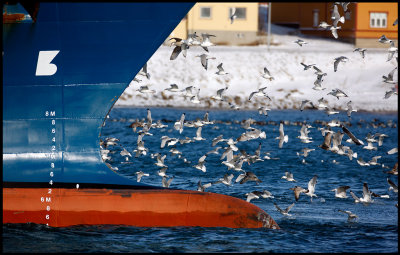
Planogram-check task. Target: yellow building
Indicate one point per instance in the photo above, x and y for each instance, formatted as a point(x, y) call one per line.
point(214, 18)
point(364, 22)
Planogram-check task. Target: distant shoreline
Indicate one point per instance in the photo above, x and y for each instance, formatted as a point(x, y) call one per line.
point(246, 109)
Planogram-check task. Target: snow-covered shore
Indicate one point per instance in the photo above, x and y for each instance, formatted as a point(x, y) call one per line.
point(361, 79)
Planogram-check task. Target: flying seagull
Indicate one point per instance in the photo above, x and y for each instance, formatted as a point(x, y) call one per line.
point(300, 42)
point(221, 70)
point(286, 211)
point(340, 192)
point(311, 187)
point(282, 137)
point(361, 50)
point(337, 60)
point(351, 215)
point(297, 190)
point(306, 67)
point(288, 176)
point(233, 16)
point(204, 60)
point(267, 74)
point(336, 18)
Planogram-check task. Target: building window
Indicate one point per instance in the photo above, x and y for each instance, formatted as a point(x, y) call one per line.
point(240, 12)
point(205, 12)
point(347, 15)
point(378, 19)
point(315, 17)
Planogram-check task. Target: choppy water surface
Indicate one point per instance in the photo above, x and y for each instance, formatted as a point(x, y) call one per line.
point(313, 227)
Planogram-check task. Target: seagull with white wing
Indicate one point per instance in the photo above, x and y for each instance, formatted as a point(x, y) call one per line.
point(204, 60)
point(303, 104)
point(286, 211)
point(201, 163)
point(336, 18)
point(361, 50)
point(289, 177)
point(390, 93)
point(282, 137)
point(374, 161)
point(198, 135)
point(201, 187)
point(392, 50)
point(319, 71)
point(166, 183)
point(139, 175)
point(350, 109)
point(351, 216)
point(219, 94)
point(221, 70)
point(393, 186)
point(324, 25)
point(227, 180)
point(340, 192)
point(173, 88)
point(311, 187)
point(233, 15)
point(206, 41)
point(179, 124)
point(337, 93)
point(267, 75)
point(145, 89)
point(389, 78)
point(259, 93)
point(300, 42)
point(306, 67)
point(338, 60)
point(263, 110)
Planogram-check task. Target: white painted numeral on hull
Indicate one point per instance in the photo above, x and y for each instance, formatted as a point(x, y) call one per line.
point(44, 66)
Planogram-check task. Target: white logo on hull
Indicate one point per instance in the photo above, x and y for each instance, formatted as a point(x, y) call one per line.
point(44, 66)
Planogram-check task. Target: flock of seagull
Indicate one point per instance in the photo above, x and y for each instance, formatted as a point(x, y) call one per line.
point(332, 141)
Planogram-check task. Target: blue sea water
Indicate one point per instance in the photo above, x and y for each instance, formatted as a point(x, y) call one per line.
point(314, 226)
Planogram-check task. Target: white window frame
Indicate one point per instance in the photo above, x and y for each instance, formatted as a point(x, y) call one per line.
point(378, 17)
point(203, 7)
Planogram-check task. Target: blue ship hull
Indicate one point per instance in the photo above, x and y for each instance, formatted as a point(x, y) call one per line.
point(63, 70)
point(57, 118)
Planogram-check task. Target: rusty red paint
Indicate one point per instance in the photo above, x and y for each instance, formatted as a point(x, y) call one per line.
point(141, 208)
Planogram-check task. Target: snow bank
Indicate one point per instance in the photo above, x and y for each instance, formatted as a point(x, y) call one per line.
point(361, 79)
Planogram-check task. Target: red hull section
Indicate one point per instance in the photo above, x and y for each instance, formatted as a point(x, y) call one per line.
point(141, 208)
